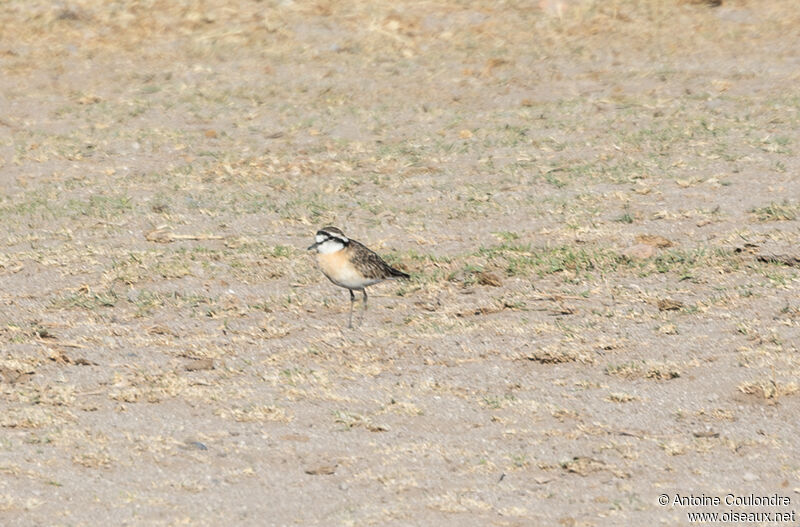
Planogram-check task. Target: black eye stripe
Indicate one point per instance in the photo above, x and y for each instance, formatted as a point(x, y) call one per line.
point(332, 236)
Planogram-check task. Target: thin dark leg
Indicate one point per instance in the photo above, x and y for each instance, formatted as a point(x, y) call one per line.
point(364, 291)
point(352, 299)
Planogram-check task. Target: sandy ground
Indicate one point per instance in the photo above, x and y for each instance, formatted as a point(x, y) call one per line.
point(598, 202)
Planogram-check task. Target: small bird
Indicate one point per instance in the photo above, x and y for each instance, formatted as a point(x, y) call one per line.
point(349, 264)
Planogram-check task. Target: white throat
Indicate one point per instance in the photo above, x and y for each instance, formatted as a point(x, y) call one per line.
point(329, 246)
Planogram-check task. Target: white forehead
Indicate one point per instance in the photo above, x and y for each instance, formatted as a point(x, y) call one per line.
point(324, 235)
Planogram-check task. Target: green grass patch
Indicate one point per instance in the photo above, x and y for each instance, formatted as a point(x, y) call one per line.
point(520, 259)
point(776, 212)
point(104, 207)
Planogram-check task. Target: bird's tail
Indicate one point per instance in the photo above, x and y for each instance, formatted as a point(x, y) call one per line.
point(396, 273)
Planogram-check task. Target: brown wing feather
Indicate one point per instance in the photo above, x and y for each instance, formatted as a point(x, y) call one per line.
point(372, 265)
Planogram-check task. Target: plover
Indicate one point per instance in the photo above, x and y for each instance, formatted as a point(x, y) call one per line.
point(349, 264)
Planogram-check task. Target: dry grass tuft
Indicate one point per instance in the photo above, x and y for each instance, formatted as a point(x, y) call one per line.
point(559, 355)
point(769, 389)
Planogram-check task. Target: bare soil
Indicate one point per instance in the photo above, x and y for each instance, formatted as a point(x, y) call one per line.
point(598, 202)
